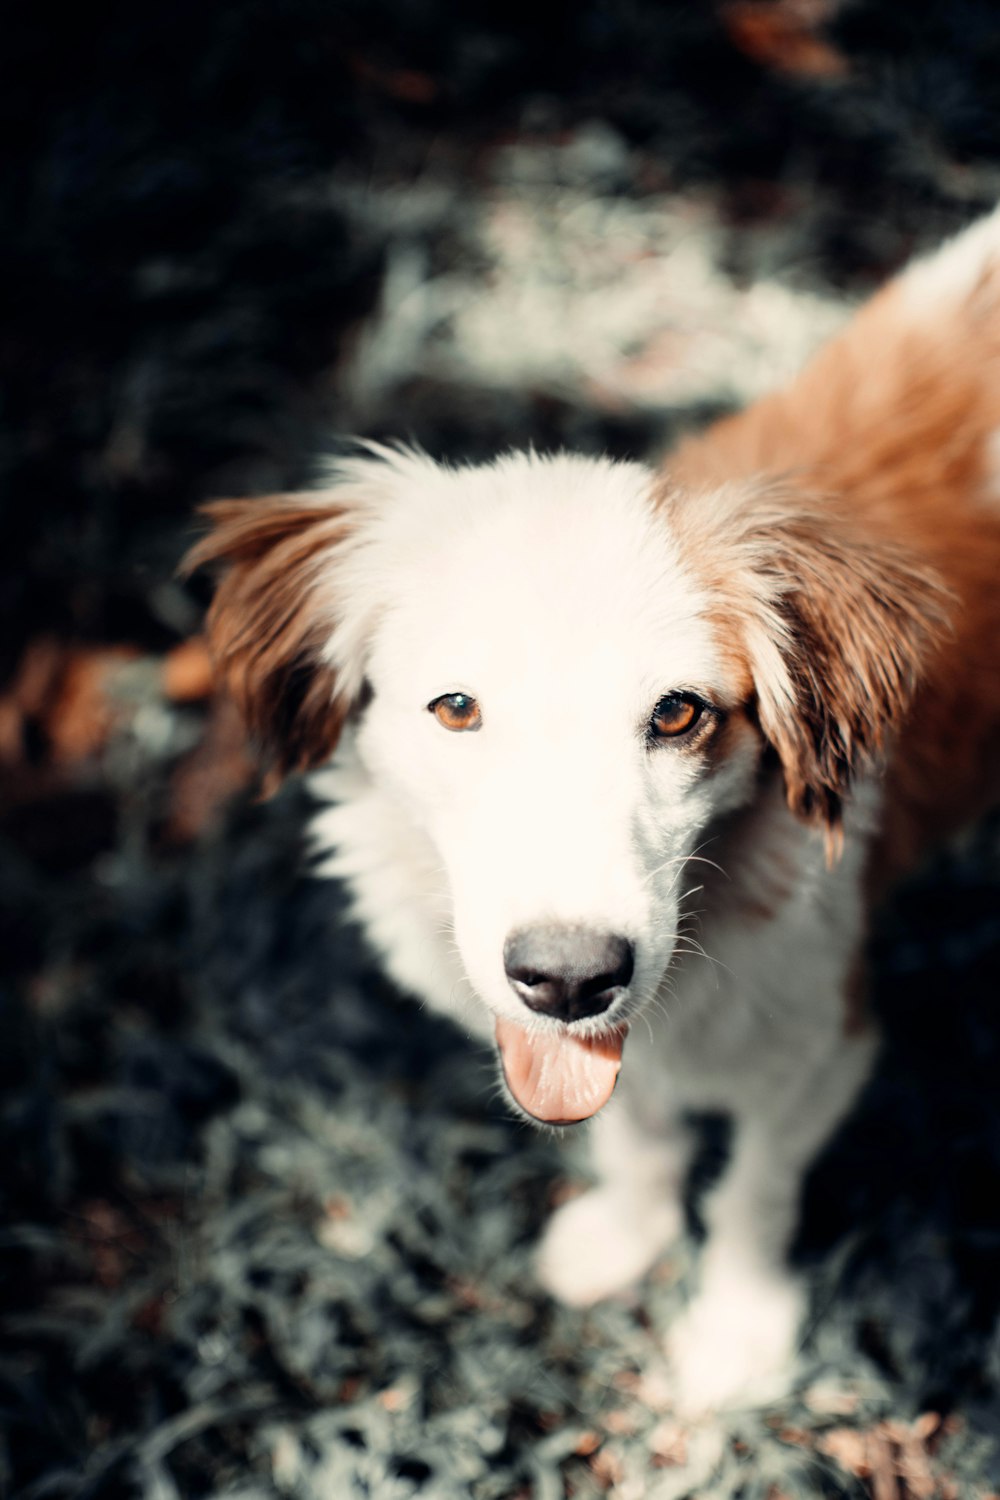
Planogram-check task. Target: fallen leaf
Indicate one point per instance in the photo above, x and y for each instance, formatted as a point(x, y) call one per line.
point(799, 1437)
point(668, 1443)
point(780, 34)
point(621, 1422)
point(849, 1447)
point(83, 711)
point(606, 1468)
point(187, 672)
point(59, 707)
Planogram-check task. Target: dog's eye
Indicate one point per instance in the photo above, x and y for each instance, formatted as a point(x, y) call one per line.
point(675, 715)
point(456, 711)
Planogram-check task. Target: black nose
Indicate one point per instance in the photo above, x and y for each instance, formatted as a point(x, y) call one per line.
point(567, 972)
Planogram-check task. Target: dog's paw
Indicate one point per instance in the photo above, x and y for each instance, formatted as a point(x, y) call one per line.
point(735, 1345)
point(600, 1244)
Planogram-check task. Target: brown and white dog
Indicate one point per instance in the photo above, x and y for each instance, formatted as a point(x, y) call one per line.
point(625, 753)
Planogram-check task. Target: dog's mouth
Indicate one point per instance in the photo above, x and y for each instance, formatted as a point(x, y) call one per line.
point(557, 1077)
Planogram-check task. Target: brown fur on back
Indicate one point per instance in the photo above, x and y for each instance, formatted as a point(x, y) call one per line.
point(894, 420)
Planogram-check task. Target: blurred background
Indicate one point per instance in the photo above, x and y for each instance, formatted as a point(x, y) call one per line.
point(265, 1230)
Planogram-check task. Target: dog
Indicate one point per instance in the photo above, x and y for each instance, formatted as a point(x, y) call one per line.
point(625, 755)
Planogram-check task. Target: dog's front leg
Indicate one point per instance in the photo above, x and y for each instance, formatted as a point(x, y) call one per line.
point(604, 1241)
point(735, 1344)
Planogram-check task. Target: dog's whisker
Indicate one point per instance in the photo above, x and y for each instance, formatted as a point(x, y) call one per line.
point(681, 860)
point(713, 864)
point(693, 891)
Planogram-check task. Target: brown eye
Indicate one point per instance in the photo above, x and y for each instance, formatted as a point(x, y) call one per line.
point(456, 711)
point(674, 715)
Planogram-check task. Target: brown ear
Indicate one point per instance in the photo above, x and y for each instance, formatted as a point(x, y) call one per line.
point(839, 626)
point(861, 620)
point(271, 620)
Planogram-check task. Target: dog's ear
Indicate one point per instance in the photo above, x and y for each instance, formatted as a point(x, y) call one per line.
point(271, 622)
point(838, 627)
point(860, 620)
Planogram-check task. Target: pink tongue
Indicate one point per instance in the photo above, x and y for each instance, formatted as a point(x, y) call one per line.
point(557, 1077)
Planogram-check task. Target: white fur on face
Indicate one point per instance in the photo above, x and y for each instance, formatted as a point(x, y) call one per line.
point(548, 590)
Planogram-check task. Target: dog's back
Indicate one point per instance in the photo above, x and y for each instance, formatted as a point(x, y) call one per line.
point(899, 418)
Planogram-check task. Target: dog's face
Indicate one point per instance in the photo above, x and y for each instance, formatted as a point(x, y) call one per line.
point(563, 676)
point(549, 704)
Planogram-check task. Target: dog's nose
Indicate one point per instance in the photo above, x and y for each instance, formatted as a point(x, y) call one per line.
point(567, 972)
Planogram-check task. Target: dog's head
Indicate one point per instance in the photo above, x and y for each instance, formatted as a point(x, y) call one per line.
point(564, 674)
